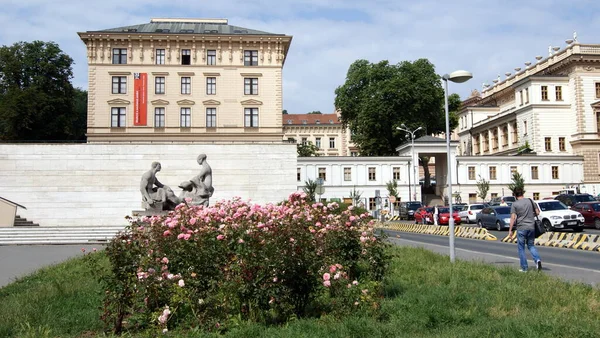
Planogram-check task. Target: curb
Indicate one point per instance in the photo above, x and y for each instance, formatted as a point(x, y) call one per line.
point(463, 232)
point(566, 240)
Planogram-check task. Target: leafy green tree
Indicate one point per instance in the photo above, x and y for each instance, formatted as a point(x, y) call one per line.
point(307, 150)
point(517, 182)
point(392, 188)
point(378, 97)
point(310, 188)
point(36, 94)
point(80, 105)
point(284, 111)
point(315, 112)
point(483, 187)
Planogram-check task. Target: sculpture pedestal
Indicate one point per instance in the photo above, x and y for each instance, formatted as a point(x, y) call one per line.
point(149, 213)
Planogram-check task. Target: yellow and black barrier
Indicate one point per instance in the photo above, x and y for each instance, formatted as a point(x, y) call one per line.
point(394, 218)
point(567, 240)
point(464, 232)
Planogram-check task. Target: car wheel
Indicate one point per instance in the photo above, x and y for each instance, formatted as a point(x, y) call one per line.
point(498, 226)
point(597, 223)
point(480, 224)
point(547, 225)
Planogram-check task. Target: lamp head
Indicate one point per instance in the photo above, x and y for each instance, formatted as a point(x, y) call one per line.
point(458, 76)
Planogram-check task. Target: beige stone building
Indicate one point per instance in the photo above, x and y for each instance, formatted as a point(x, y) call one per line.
point(323, 130)
point(185, 80)
point(552, 104)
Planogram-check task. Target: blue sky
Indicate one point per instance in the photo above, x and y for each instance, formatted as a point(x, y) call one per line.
point(488, 38)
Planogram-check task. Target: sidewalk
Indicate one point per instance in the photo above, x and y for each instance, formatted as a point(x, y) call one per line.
point(567, 273)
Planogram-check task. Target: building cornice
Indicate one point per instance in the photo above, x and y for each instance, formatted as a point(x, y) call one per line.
point(523, 159)
point(353, 159)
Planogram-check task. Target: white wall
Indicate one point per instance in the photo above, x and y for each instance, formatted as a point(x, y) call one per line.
point(98, 184)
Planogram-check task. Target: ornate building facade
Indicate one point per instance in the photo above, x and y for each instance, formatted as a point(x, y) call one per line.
point(323, 130)
point(184, 80)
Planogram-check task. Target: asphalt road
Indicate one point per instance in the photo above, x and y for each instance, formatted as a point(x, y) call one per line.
point(569, 264)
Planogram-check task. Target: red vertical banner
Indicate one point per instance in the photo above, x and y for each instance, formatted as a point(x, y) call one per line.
point(140, 99)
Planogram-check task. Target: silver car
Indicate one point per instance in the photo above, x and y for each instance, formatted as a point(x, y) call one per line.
point(468, 214)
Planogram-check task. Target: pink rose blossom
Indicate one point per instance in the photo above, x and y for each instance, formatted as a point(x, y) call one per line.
point(220, 237)
point(326, 276)
point(355, 282)
point(241, 241)
point(181, 283)
point(292, 240)
point(165, 260)
point(327, 283)
point(337, 276)
point(352, 218)
point(275, 280)
point(332, 268)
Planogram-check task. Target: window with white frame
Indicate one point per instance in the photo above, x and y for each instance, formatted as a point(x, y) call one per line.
point(251, 117)
point(323, 174)
point(492, 173)
point(331, 142)
point(160, 56)
point(186, 85)
point(561, 144)
point(211, 57)
point(211, 86)
point(534, 173)
point(471, 173)
point(347, 174)
point(159, 85)
point(117, 117)
point(318, 142)
point(372, 176)
point(185, 117)
point(250, 86)
point(396, 173)
point(211, 117)
point(554, 172)
point(159, 117)
point(119, 84)
point(304, 141)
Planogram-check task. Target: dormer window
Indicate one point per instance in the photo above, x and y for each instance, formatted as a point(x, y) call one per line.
point(289, 121)
point(317, 121)
point(330, 121)
point(303, 121)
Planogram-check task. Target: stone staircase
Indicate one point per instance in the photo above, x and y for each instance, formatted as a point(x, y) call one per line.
point(41, 235)
point(23, 222)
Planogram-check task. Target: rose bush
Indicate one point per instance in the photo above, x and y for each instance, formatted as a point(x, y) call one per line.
point(210, 267)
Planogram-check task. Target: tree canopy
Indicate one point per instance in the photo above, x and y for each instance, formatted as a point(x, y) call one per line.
point(307, 149)
point(37, 100)
point(378, 97)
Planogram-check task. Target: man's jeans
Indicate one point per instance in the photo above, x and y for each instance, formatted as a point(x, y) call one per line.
point(526, 236)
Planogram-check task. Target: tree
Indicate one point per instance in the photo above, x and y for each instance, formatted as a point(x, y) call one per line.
point(284, 111)
point(310, 188)
point(355, 195)
point(392, 188)
point(80, 106)
point(483, 187)
point(36, 95)
point(517, 182)
point(376, 98)
point(307, 150)
point(315, 112)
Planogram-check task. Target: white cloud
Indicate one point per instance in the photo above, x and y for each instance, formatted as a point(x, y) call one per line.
point(485, 37)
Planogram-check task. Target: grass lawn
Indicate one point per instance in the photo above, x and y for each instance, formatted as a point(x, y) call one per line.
point(425, 297)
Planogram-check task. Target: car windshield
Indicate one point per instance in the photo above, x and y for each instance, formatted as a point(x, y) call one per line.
point(503, 211)
point(413, 206)
point(443, 210)
point(458, 208)
point(510, 199)
point(476, 206)
point(548, 206)
point(584, 198)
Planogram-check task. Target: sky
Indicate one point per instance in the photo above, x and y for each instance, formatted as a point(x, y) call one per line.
point(488, 38)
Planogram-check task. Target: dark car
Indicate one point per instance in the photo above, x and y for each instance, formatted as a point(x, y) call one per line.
point(494, 217)
point(590, 212)
point(424, 215)
point(572, 199)
point(407, 209)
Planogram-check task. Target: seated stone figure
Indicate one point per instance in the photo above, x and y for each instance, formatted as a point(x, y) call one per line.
point(155, 195)
point(199, 189)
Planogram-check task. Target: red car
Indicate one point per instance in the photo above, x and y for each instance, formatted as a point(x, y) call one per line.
point(590, 212)
point(424, 213)
point(444, 216)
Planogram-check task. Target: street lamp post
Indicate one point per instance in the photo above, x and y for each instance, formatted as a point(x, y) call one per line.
point(458, 76)
point(412, 137)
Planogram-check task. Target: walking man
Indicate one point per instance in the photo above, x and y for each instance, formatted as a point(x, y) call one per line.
point(522, 213)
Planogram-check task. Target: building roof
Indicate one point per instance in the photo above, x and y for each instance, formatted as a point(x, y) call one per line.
point(11, 202)
point(429, 139)
point(187, 26)
point(310, 119)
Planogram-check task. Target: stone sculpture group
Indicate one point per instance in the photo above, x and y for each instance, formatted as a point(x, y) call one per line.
point(157, 197)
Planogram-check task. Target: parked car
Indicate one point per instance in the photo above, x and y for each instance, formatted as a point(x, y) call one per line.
point(497, 217)
point(424, 213)
point(444, 216)
point(498, 200)
point(468, 214)
point(407, 209)
point(590, 212)
point(572, 199)
point(556, 215)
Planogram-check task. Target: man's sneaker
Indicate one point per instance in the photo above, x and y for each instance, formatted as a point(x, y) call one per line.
point(539, 265)
point(521, 270)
